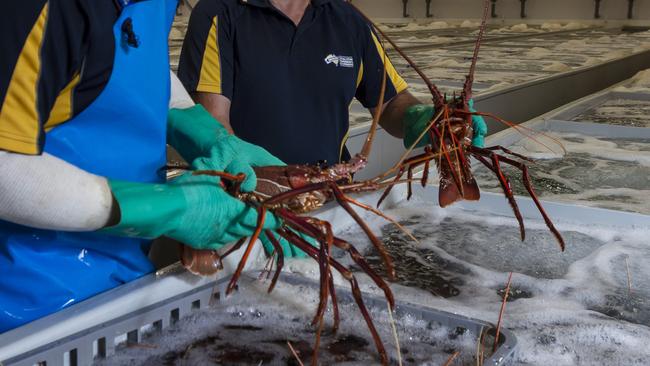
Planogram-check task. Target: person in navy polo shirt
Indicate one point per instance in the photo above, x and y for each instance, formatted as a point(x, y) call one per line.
point(282, 73)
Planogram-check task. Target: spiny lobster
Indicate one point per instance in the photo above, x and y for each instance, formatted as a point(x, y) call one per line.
point(288, 192)
point(451, 146)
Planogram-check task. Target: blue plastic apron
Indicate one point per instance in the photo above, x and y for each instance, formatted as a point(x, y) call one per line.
point(120, 135)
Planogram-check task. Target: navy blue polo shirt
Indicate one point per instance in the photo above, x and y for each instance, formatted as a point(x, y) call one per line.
point(290, 86)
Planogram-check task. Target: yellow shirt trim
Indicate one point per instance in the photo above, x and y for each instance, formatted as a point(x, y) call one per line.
point(19, 116)
point(360, 75)
point(345, 139)
point(62, 110)
point(210, 76)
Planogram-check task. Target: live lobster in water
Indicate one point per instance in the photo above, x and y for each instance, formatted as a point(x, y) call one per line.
point(291, 191)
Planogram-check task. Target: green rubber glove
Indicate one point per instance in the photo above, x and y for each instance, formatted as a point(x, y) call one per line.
point(206, 144)
point(194, 210)
point(289, 250)
point(479, 126)
point(418, 117)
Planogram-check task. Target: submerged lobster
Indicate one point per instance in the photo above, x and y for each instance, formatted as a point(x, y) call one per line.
point(290, 191)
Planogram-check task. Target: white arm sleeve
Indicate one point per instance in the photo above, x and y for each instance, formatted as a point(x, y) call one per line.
point(179, 97)
point(48, 193)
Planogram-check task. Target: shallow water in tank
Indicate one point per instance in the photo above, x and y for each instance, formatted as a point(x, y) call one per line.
point(587, 305)
point(253, 328)
point(612, 173)
point(621, 112)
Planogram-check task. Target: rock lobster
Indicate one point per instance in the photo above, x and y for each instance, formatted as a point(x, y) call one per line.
point(291, 191)
point(451, 132)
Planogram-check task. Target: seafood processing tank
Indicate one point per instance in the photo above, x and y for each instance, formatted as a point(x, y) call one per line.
point(458, 267)
point(580, 93)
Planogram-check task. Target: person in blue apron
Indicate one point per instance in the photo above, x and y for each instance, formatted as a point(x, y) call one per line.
point(84, 120)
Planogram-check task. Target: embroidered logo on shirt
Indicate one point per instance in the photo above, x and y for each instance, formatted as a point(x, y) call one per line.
point(342, 61)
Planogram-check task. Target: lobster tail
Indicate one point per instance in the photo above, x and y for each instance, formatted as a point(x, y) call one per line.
point(450, 191)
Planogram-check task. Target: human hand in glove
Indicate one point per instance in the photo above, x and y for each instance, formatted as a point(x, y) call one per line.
point(206, 144)
point(418, 117)
point(194, 210)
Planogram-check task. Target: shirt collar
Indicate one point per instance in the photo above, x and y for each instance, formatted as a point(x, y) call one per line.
point(266, 3)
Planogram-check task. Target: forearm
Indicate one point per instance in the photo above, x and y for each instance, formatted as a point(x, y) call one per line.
point(392, 116)
point(217, 105)
point(46, 192)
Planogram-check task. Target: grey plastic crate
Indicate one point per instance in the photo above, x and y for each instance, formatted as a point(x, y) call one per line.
point(81, 348)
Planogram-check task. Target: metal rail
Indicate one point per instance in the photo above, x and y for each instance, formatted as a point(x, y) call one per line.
point(527, 100)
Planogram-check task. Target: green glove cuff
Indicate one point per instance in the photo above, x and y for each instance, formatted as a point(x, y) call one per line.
point(147, 210)
point(193, 131)
point(479, 126)
point(416, 120)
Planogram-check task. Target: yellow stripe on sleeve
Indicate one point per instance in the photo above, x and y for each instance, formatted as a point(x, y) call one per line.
point(19, 116)
point(345, 139)
point(210, 77)
point(62, 110)
point(399, 83)
point(360, 76)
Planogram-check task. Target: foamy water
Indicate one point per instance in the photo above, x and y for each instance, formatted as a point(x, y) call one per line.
point(253, 328)
point(571, 308)
point(602, 172)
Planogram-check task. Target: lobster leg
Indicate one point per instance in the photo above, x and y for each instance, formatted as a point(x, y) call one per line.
point(335, 304)
point(361, 262)
point(408, 164)
point(507, 191)
point(280, 255)
point(525, 175)
point(240, 267)
point(409, 176)
point(527, 184)
point(509, 152)
point(390, 187)
point(324, 266)
point(380, 214)
point(299, 224)
point(340, 198)
point(425, 172)
point(234, 248)
point(354, 285)
point(325, 239)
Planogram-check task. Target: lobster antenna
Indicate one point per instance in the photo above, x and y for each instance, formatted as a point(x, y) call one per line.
point(469, 80)
point(438, 100)
point(365, 150)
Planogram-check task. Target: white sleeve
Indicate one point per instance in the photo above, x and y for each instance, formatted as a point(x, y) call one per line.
point(48, 193)
point(179, 98)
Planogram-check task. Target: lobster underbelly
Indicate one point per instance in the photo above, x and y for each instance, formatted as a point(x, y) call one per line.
point(457, 182)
